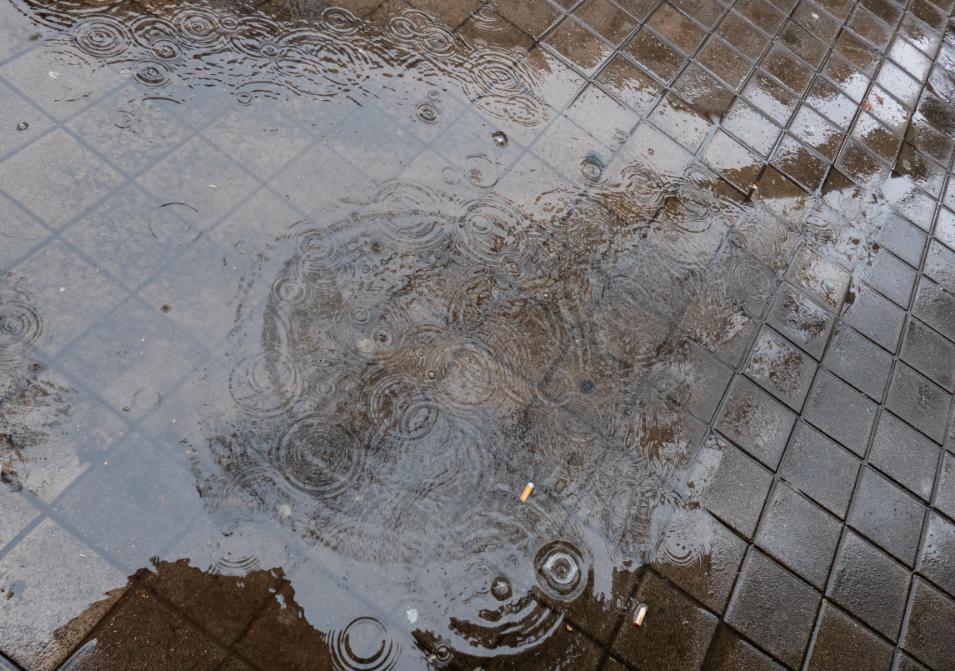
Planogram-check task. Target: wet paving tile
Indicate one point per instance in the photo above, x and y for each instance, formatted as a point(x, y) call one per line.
point(821, 469)
point(888, 515)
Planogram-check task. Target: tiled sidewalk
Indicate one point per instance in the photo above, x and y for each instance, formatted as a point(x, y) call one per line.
point(811, 382)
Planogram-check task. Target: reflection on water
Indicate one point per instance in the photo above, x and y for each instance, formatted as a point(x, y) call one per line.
point(409, 357)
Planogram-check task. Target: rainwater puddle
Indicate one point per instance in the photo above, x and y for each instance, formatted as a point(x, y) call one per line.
point(331, 287)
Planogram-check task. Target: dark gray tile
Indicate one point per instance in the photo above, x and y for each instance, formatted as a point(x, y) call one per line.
point(739, 488)
point(935, 306)
point(710, 577)
point(875, 316)
point(780, 368)
point(800, 319)
point(940, 265)
point(773, 608)
point(799, 534)
point(930, 633)
point(844, 644)
point(945, 497)
point(859, 361)
point(699, 376)
point(675, 634)
point(930, 354)
point(720, 326)
point(731, 653)
point(821, 469)
point(841, 412)
point(892, 277)
point(937, 559)
point(756, 422)
point(869, 584)
point(905, 455)
point(919, 401)
point(819, 278)
point(888, 515)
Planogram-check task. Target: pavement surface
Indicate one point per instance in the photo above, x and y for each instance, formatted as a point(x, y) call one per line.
point(296, 299)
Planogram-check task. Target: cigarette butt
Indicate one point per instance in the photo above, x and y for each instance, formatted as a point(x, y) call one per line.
point(641, 613)
point(527, 491)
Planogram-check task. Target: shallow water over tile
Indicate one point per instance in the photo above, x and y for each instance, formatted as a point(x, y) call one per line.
point(456, 333)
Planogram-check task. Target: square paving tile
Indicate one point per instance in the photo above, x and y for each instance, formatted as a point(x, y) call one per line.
point(600, 115)
point(664, 641)
point(676, 28)
point(930, 631)
point(751, 127)
point(819, 278)
point(869, 584)
point(799, 534)
point(937, 558)
point(777, 366)
point(578, 45)
point(875, 316)
point(703, 92)
point(844, 414)
point(892, 277)
point(800, 319)
point(919, 401)
point(729, 652)
point(629, 84)
point(606, 19)
point(655, 55)
point(711, 576)
point(724, 62)
point(773, 608)
point(842, 643)
point(800, 163)
point(945, 496)
point(531, 16)
point(859, 361)
point(935, 306)
point(903, 239)
point(756, 422)
point(743, 36)
point(821, 469)
point(888, 515)
point(772, 98)
point(929, 353)
point(681, 121)
point(813, 129)
point(905, 455)
point(734, 162)
point(63, 167)
point(738, 490)
point(940, 265)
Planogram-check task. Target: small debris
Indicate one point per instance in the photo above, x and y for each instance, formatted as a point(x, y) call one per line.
point(866, 105)
point(54, 75)
point(641, 613)
point(412, 615)
point(285, 510)
point(527, 491)
point(569, 628)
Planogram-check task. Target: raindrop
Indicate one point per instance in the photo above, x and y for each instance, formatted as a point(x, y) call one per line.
point(501, 588)
point(587, 387)
point(166, 308)
point(243, 98)
point(365, 345)
point(428, 112)
point(23, 125)
point(500, 139)
point(285, 510)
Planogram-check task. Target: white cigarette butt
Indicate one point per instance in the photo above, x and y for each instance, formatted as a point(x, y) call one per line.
point(641, 613)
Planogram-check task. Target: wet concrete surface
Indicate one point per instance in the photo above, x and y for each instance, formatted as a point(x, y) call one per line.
point(296, 300)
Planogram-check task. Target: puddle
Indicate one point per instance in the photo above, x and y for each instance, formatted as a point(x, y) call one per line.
point(331, 288)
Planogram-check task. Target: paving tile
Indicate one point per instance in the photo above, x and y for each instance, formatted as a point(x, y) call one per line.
point(888, 515)
point(799, 534)
point(656, 55)
point(876, 138)
point(708, 577)
point(815, 131)
point(905, 455)
point(798, 40)
point(732, 161)
point(940, 265)
point(817, 22)
point(819, 278)
point(606, 19)
point(720, 59)
point(22, 233)
point(579, 46)
point(600, 115)
point(751, 127)
point(705, 12)
point(861, 166)
point(762, 14)
point(921, 169)
point(756, 422)
point(919, 401)
point(937, 558)
point(892, 277)
point(730, 652)
point(945, 226)
point(534, 17)
point(629, 84)
point(831, 103)
point(858, 53)
point(776, 365)
point(638, 9)
point(743, 36)
point(903, 239)
point(681, 121)
point(821, 469)
point(869, 584)
point(899, 83)
point(703, 92)
point(859, 361)
point(663, 641)
point(841, 412)
point(801, 164)
point(945, 496)
point(771, 98)
point(929, 353)
point(676, 28)
point(842, 643)
point(738, 490)
point(784, 66)
point(930, 631)
point(36, 606)
point(869, 27)
point(557, 83)
point(773, 608)
point(913, 204)
point(15, 107)
point(909, 58)
point(800, 319)
point(875, 316)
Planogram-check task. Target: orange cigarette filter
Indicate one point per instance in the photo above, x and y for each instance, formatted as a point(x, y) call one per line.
point(527, 491)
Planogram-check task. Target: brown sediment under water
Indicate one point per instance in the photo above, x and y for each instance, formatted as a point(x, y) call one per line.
point(376, 335)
